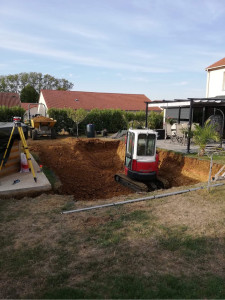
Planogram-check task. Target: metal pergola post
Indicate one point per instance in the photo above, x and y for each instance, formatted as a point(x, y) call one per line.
point(190, 124)
point(146, 114)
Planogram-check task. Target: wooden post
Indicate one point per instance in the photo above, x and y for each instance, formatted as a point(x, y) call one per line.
point(210, 172)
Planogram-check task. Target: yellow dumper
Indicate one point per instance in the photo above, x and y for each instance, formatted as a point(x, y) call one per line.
point(42, 126)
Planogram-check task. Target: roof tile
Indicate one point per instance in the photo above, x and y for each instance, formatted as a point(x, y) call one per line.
point(10, 99)
point(26, 105)
point(91, 100)
point(217, 64)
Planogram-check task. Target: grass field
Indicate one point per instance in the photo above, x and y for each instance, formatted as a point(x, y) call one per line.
point(217, 158)
point(167, 248)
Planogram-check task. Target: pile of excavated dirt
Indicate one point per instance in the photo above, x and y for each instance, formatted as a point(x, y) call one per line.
point(86, 167)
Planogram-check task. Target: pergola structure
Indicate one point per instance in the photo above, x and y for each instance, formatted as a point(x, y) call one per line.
point(190, 110)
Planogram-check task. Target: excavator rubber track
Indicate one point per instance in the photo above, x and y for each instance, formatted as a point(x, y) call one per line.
point(138, 186)
point(164, 182)
point(130, 183)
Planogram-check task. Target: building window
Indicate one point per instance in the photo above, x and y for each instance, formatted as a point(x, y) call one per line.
point(178, 114)
point(184, 114)
point(172, 113)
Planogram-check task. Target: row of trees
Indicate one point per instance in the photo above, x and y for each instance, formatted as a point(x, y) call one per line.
point(28, 85)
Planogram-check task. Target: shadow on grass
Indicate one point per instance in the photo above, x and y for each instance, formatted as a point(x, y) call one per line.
point(154, 287)
point(49, 173)
point(176, 239)
point(114, 231)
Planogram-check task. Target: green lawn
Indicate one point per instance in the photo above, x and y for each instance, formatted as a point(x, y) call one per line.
point(220, 159)
point(166, 248)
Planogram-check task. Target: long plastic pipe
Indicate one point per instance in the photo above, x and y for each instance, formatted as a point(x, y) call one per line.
point(139, 199)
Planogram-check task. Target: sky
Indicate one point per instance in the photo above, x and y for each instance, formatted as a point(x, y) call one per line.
point(159, 48)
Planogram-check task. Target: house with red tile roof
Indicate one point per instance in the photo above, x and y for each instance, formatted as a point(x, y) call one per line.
point(215, 85)
point(9, 99)
point(91, 100)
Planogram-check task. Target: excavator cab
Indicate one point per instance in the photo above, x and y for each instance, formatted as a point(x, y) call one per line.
point(141, 159)
point(141, 162)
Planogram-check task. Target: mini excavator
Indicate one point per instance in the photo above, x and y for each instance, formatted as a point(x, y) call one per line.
point(141, 162)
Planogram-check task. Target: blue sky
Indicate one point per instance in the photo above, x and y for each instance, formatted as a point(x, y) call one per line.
point(158, 48)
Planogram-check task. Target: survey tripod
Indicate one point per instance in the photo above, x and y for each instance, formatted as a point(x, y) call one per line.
point(17, 124)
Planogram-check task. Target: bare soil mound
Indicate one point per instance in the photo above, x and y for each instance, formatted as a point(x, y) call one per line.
point(182, 171)
point(86, 167)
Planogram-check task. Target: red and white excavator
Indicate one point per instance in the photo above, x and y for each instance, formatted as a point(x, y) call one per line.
point(141, 162)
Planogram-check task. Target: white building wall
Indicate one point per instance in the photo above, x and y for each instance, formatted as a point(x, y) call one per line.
point(33, 111)
point(42, 108)
point(215, 83)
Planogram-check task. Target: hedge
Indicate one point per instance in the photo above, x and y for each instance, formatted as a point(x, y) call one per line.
point(111, 119)
point(155, 120)
point(7, 113)
point(61, 116)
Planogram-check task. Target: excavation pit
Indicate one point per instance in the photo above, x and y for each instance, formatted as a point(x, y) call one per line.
point(86, 167)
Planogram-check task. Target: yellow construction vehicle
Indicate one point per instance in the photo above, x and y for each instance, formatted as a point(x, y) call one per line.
point(40, 126)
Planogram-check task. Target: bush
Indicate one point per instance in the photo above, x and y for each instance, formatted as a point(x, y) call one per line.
point(155, 120)
point(94, 117)
point(202, 135)
point(129, 116)
point(118, 121)
point(140, 116)
point(136, 124)
point(111, 119)
point(106, 119)
point(61, 116)
point(7, 113)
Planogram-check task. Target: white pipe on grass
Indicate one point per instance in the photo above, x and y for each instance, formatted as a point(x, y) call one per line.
point(138, 199)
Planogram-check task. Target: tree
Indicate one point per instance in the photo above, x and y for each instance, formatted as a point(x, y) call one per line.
point(29, 94)
point(202, 135)
point(17, 82)
point(77, 116)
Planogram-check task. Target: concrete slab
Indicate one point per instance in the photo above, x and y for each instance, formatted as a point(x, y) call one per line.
point(175, 146)
point(25, 185)
point(169, 145)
